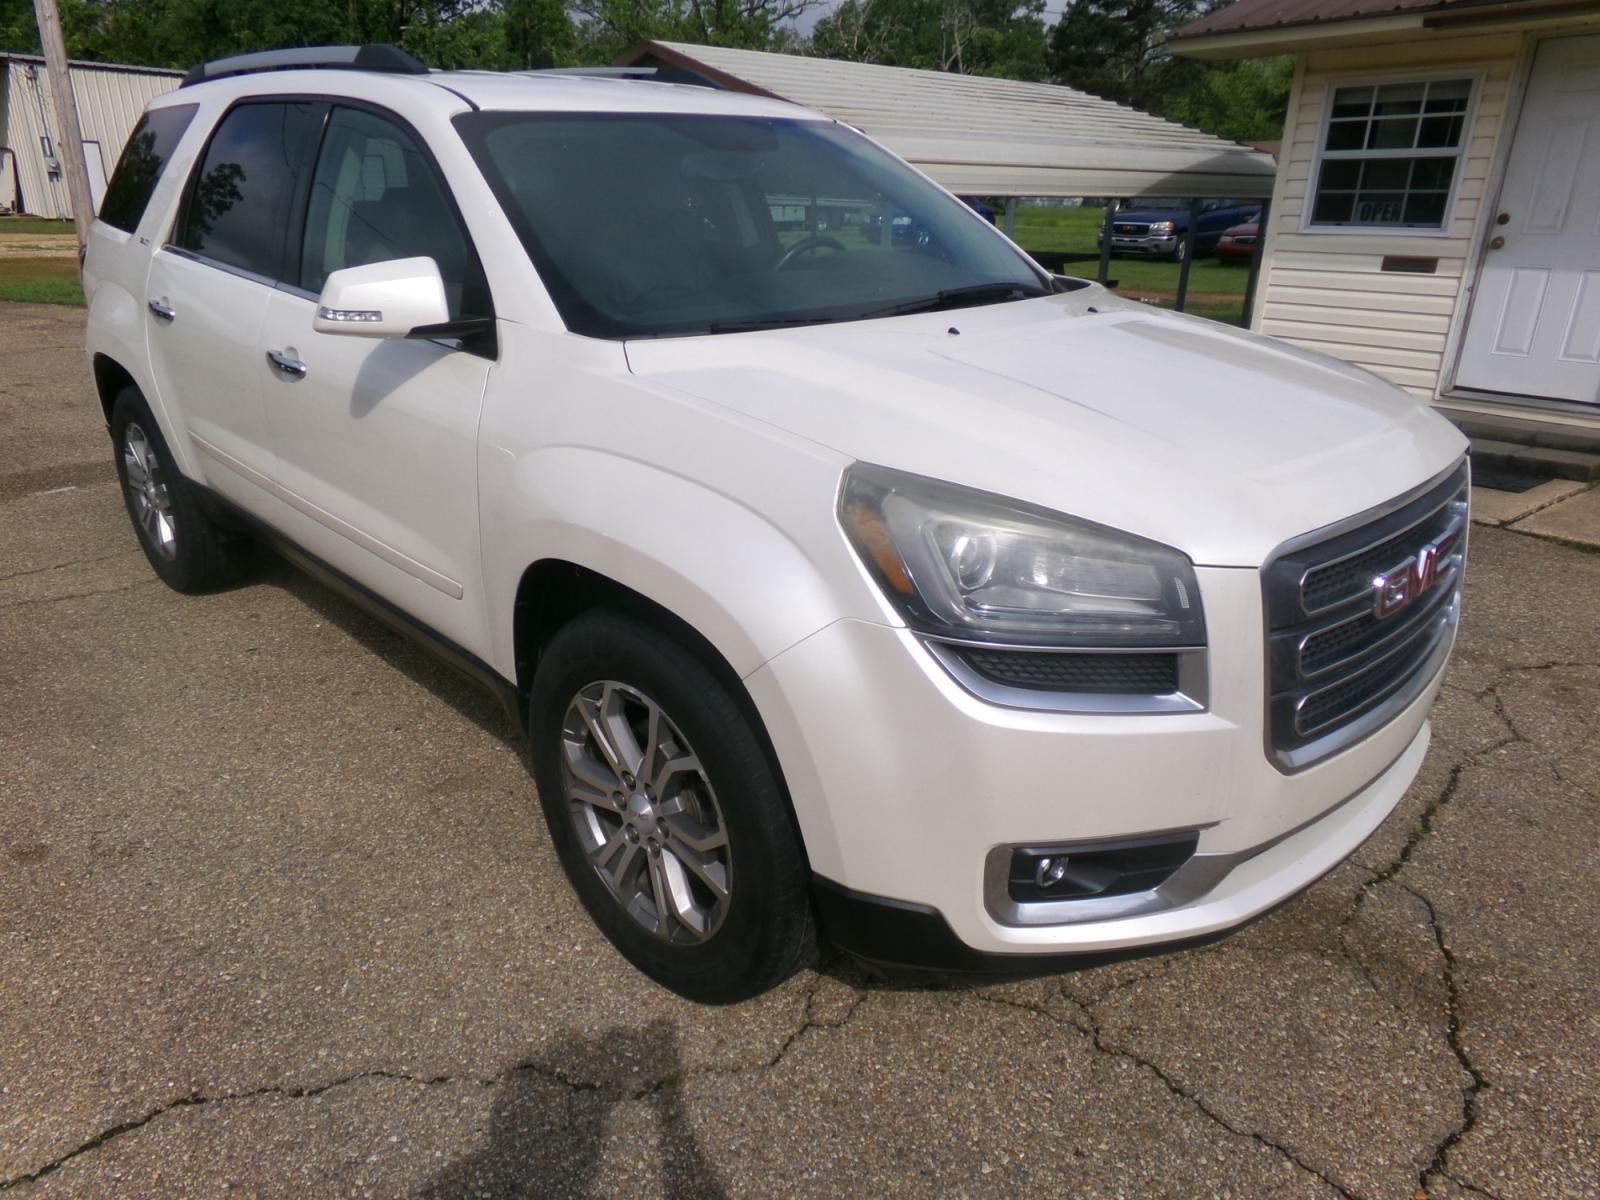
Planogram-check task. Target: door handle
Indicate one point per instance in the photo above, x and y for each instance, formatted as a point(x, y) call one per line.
point(162, 311)
point(292, 367)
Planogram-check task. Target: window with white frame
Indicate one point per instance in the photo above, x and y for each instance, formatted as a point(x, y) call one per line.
point(1390, 153)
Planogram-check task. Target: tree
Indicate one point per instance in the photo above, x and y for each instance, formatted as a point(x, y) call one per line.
point(1117, 49)
point(1004, 38)
point(606, 28)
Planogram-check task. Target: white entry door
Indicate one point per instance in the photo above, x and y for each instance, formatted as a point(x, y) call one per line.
point(1535, 324)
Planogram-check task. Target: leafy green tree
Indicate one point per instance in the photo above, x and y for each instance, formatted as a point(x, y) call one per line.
point(1118, 49)
point(17, 30)
point(606, 28)
point(1003, 38)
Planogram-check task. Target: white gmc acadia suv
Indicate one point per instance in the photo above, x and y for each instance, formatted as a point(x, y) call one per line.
point(868, 582)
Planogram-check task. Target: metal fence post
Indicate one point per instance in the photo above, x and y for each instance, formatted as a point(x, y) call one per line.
point(1105, 240)
point(1188, 255)
point(1254, 277)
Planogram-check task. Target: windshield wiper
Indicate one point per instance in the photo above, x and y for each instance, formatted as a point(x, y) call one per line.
point(763, 323)
point(961, 297)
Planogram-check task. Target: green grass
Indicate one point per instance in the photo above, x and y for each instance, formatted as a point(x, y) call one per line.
point(41, 280)
point(1216, 290)
point(34, 225)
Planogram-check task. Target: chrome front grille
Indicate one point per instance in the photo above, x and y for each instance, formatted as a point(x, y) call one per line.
point(1360, 618)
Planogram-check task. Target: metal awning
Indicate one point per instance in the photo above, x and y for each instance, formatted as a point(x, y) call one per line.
point(991, 137)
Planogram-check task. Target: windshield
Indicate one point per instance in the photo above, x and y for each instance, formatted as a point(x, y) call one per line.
point(645, 225)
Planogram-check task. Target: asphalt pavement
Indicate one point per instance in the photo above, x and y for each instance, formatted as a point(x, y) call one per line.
point(278, 917)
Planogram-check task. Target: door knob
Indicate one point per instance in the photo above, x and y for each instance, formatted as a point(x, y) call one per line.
point(292, 367)
point(1496, 243)
point(1502, 219)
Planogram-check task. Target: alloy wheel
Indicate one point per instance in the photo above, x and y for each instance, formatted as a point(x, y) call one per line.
point(645, 812)
point(149, 492)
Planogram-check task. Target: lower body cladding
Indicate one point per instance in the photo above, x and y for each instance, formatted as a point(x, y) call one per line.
point(935, 820)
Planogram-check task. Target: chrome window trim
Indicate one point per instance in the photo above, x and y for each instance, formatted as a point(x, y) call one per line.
point(1192, 695)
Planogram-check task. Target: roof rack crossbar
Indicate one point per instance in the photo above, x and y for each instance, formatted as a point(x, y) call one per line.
point(678, 75)
point(387, 59)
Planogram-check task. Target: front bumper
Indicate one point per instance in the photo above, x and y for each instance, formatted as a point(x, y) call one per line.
point(1153, 246)
point(905, 784)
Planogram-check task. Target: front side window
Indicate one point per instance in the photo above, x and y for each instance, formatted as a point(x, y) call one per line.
point(239, 199)
point(1390, 154)
point(374, 198)
point(645, 225)
point(143, 160)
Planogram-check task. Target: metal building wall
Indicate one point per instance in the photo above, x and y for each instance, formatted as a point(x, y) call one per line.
point(110, 99)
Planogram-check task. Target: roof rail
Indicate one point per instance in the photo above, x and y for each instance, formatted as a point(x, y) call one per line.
point(679, 75)
point(388, 59)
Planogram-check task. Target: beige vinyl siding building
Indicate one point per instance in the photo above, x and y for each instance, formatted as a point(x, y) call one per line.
point(1329, 291)
point(1388, 280)
point(110, 98)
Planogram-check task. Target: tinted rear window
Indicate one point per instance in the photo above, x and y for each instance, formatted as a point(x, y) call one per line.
point(143, 160)
point(239, 200)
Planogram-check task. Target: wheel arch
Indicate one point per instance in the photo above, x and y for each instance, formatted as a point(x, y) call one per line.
point(110, 378)
point(553, 591)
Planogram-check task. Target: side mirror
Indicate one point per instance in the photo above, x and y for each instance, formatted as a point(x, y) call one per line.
point(382, 300)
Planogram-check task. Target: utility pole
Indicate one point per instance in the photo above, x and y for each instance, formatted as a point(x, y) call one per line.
point(69, 151)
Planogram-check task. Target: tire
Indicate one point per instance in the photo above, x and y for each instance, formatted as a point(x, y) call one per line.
point(604, 672)
point(1177, 251)
point(184, 546)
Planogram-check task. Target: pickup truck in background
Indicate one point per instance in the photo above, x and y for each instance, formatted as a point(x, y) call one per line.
point(1155, 228)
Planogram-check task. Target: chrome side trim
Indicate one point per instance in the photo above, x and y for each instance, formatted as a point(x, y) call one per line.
point(344, 529)
point(1192, 695)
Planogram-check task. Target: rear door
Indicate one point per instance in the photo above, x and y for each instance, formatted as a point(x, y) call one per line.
point(376, 440)
point(208, 288)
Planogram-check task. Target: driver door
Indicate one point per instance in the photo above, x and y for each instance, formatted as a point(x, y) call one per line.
point(376, 439)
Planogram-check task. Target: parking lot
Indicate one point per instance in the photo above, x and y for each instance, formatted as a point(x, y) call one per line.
point(278, 917)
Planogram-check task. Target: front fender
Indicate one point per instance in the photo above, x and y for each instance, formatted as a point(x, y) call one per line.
point(749, 587)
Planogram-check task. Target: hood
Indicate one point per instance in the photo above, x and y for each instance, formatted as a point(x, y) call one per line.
point(1149, 216)
point(1220, 443)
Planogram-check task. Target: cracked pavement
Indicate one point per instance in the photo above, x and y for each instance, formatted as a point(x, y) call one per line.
point(277, 916)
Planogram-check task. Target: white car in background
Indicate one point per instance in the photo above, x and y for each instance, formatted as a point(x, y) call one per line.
point(887, 589)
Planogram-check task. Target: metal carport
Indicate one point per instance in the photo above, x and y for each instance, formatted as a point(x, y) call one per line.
point(990, 137)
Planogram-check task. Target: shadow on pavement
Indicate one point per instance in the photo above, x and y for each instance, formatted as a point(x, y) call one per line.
point(546, 1137)
point(421, 666)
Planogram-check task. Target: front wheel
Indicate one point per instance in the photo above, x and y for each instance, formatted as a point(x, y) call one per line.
point(666, 812)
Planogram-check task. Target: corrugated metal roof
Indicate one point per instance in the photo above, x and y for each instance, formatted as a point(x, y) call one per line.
point(98, 66)
point(110, 98)
point(992, 137)
point(1245, 15)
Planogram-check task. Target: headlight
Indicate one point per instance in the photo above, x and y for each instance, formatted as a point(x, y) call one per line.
point(1161, 228)
point(1226, 239)
point(966, 564)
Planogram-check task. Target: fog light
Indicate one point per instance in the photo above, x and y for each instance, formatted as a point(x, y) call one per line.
point(1049, 871)
point(1090, 869)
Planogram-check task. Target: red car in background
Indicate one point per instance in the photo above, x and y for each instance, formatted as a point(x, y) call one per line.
point(1238, 245)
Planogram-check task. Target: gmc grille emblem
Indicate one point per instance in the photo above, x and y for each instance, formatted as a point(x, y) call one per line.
point(1399, 587)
